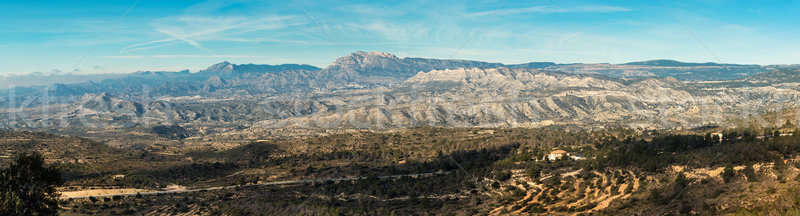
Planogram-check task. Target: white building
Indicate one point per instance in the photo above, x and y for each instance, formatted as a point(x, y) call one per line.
point(557, 154)
point(715, 135)
point(560, 154)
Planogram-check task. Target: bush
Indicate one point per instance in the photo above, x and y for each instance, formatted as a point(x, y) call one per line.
point(27, 187)
point(728, 173)
point(750, 173)
point(502, 175)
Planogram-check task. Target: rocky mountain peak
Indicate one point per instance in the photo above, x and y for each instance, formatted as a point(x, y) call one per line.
point(374, 54)
point(364, 59)
point(224, 66)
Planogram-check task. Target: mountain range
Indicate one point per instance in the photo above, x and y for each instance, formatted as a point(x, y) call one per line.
point(381, 90)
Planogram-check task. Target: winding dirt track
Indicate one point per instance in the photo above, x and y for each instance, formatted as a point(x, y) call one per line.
point(288, 182)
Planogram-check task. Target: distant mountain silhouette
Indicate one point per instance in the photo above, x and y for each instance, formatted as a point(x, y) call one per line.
point(673, 63)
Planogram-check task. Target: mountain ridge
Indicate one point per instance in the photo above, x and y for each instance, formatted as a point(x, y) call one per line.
point(371, 68)
point(675, 63)
point(378, 89)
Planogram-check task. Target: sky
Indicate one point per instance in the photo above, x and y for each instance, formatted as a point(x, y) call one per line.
point(122, 36)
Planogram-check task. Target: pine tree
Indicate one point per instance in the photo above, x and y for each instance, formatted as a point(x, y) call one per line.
point(27, 187)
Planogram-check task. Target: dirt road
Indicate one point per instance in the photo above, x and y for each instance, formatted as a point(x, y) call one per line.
point(133, 192)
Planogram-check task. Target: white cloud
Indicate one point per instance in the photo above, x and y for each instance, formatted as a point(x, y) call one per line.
point(268, 40)
point(551, 9)
point(408, 32)
point(181, 56)
point(370, 10)
point(148, 45)
point(181, 37)
point(194, 29)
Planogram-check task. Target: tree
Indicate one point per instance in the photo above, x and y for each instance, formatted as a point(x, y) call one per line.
point(728, 173)
point(750, 173)
point(534, 170)
point(27, 187)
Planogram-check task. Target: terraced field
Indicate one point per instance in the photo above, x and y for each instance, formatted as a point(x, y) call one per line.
point(576, 192)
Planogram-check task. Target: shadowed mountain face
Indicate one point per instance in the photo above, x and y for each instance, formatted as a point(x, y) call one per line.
point(375, 89)
point(218, 79)
point(359, 69)
point(228, 70)
point(364, 69)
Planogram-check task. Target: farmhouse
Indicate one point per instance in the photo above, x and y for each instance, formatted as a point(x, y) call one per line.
point(560, 154)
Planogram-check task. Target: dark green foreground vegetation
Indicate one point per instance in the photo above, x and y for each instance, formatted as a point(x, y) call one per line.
point(27, 187)
point(473, 164)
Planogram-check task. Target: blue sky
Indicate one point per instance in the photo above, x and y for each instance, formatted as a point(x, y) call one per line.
point(116, 36)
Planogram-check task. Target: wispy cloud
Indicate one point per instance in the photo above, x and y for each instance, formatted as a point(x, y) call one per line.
point(181, 37)
point(398, 32)
point(194, 29)
point(370, 10)
point(148, 45)
point(269, 40)
point(551, 9)
point(181, 56)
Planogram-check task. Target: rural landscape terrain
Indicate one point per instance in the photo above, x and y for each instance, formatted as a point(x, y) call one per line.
point(375, 134)
point(417, 107)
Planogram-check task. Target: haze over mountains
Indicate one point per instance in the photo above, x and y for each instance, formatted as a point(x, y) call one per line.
point(375, 65)
point(381, 90)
